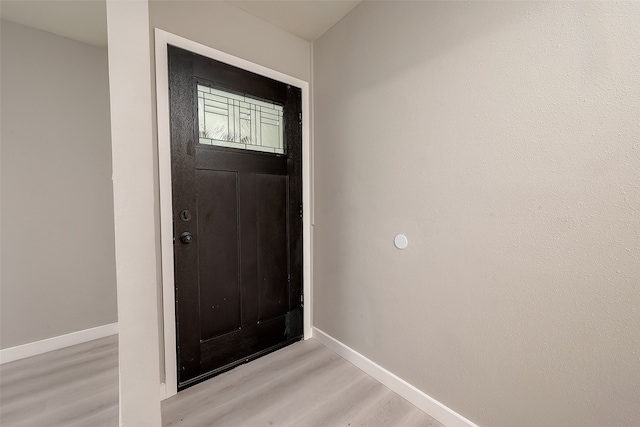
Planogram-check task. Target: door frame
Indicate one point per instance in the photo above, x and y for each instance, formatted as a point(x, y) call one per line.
point(162, 39)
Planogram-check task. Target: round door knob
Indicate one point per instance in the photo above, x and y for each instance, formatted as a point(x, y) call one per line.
point(186, 237)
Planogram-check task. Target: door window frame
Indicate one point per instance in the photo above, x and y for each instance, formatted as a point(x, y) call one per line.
point(163, 38)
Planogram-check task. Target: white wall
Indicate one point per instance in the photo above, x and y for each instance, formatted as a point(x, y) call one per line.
point(58, 267)
point(133, 196)
point(504, 140)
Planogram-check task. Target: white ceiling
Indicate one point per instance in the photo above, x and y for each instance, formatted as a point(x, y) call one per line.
point(85, 20)
point(308, 19)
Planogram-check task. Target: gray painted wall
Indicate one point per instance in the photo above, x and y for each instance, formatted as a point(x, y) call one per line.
point(57, 242)
point(503, 139)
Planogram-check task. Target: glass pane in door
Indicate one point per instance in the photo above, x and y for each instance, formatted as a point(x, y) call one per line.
point(229, 120)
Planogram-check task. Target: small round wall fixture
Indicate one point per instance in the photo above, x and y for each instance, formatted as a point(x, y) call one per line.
point(401, 241)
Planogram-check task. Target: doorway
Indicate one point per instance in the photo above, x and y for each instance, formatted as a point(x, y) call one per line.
point(271, 181)
point(236, 154)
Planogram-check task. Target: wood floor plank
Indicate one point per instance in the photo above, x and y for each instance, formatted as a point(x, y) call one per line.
point(228, 388)
point(334, 386)
point(341, 408)
point(305, 384)
point(276, 399)
point(230, 405)
point(76, 385)
point(302, 385)
point(387, 411)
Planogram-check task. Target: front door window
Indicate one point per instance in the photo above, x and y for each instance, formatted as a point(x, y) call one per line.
point(229, 120)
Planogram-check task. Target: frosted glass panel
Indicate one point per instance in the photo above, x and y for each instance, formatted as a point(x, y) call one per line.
point(229, 120)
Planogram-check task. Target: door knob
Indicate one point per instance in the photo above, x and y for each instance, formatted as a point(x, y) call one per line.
point(186, 237)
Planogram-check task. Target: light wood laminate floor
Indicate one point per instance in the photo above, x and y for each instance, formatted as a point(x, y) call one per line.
point(74, 386)
point(305, 384)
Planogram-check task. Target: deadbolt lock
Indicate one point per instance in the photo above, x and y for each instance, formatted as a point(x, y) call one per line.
point(185, 215)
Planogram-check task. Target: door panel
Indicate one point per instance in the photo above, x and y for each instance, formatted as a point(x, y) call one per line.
point(272, 245)
point(239, 279)
point(217, 194)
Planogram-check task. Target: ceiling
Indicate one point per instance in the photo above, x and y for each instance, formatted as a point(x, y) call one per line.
point(307, 19)
point(85, 20)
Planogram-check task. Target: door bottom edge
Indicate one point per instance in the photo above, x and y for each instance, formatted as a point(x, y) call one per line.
point(204, 377)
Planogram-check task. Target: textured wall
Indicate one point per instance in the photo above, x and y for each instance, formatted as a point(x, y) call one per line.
point(58, 266)
point(504, 140)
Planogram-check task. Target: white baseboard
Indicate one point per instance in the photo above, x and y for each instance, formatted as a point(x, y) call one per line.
point(429, 405)
point(163, 391)
point(34, 348)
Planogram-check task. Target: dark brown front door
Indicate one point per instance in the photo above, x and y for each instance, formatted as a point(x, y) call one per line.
point(237, 214)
